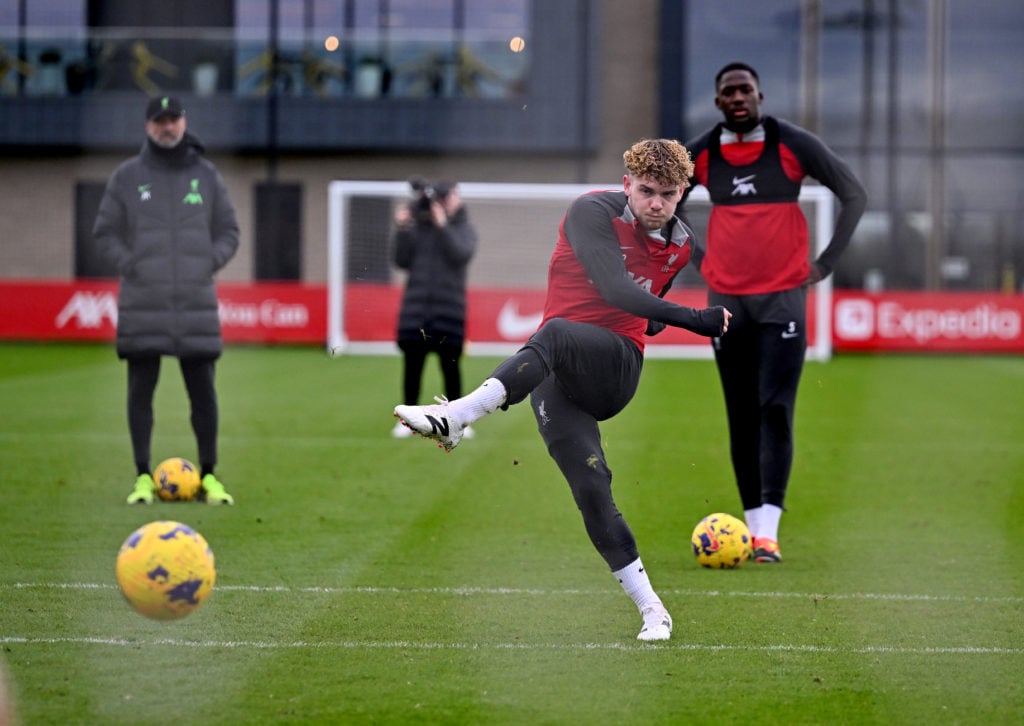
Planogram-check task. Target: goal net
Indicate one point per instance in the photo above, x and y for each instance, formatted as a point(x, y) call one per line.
point(517, 225)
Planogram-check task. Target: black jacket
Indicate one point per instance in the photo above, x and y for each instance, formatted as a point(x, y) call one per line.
point(437, 260)
point(167, 223)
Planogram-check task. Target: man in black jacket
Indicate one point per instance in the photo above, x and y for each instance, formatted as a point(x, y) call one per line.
point(433, 242)
point(167, 223)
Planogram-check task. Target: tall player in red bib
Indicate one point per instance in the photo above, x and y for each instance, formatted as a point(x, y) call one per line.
point(757, 262)
point(617, 254)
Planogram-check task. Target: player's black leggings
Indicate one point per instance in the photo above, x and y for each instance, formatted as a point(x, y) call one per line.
point(577, 375)
point(759, 362)
point(198, 374)
point(414, 358)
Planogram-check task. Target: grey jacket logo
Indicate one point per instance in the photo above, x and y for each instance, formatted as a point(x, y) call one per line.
point(193, 196)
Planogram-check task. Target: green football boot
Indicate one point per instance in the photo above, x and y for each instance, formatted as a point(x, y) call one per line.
point(143, 491)
point(214, 491)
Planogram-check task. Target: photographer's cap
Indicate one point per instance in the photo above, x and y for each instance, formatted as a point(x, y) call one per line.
point(164, 106)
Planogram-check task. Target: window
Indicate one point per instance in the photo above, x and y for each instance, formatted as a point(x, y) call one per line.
point(386, 48)
point(917, 97)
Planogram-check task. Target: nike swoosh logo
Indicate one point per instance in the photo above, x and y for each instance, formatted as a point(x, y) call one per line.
point(512, 325)
point(736, 180)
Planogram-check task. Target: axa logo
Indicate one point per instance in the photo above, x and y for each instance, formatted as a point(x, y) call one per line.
point(89, 310)
point(645, 282)
point(743, 187)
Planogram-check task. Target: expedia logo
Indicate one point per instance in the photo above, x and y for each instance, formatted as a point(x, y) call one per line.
point(855, 319)
point(860, 319)
point(89, 310)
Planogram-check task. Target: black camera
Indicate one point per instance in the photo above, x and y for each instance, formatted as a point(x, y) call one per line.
point(424, 194)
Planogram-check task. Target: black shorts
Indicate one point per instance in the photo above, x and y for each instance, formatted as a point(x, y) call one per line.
point(597, 369)
point(779, 308)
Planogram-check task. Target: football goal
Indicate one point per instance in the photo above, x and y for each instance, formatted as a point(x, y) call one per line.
point(517, 225)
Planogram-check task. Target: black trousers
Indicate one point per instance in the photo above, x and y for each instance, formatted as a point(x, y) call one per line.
point(760, 361)
point(198, 374)
point(414, 358)
point(576, 376)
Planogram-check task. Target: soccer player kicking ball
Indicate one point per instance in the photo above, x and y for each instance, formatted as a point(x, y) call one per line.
point(617, 253)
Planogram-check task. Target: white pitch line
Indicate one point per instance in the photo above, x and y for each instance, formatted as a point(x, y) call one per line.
point(409, 645)
point(466, 591)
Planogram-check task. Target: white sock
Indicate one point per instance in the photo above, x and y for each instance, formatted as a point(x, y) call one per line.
point(753, 518)
point(485, 400)
point(769, 522)
point(637, 585)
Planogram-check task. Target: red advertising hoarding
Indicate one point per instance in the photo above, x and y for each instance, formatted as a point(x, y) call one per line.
point(289, 313)
point(968, 322)
point(257, 313)
point(496, 315)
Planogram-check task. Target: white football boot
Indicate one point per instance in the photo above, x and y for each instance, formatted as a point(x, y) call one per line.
point(433, 422)
point(401, 431)
point(657, 623)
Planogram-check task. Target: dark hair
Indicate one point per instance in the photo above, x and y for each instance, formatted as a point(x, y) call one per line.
point(735, 66)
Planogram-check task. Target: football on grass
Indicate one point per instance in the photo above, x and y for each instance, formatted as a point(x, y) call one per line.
point(721, 541)
point(165, 570)
point(177, 480)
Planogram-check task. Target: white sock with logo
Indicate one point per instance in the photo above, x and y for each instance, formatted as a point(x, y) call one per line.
point(485, 400)
point(637, 585)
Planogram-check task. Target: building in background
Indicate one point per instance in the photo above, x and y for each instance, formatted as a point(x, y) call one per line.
point(913, 93)
point(290, 94)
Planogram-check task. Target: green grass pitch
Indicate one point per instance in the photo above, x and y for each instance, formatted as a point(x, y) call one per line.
point(363, 579)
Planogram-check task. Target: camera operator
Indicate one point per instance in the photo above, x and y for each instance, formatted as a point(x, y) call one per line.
point(433, 242)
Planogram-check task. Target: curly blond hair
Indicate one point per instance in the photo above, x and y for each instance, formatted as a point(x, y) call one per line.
point(664, 160)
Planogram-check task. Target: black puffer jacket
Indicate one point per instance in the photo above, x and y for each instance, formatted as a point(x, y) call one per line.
point(437, 259)
point(167, 223)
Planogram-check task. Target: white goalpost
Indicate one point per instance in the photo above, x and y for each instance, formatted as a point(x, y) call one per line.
point(517, 225)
